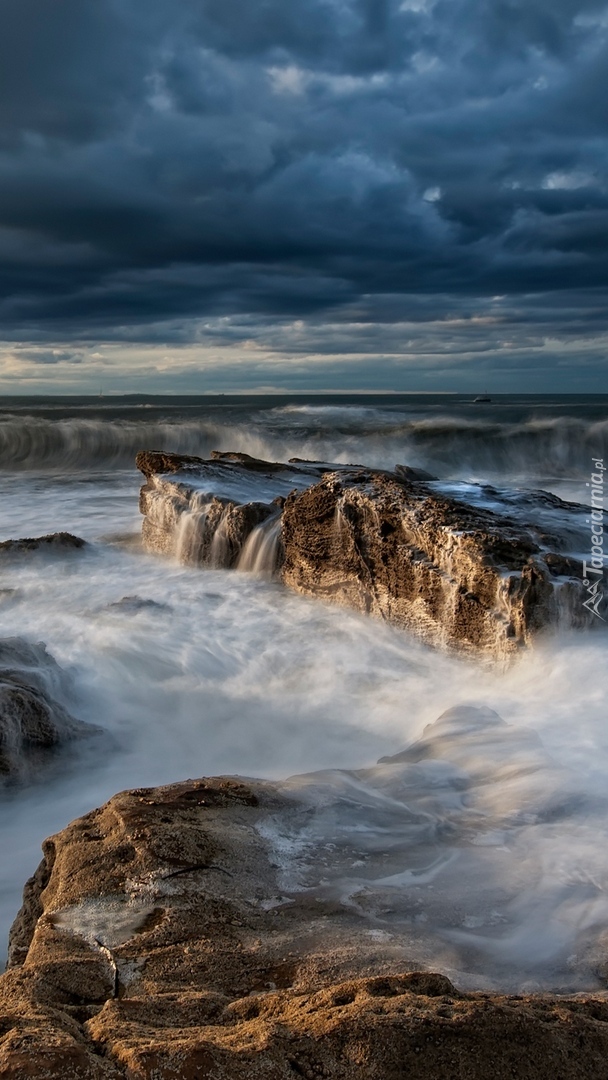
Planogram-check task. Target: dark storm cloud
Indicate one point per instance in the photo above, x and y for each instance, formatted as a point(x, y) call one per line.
point(49, 356)
point(339, 160)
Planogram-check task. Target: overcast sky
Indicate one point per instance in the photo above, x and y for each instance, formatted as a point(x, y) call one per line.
point(303, 194)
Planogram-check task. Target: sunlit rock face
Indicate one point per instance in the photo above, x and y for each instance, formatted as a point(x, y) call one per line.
point(453, 573)
point(222, 513)
point(484, 575)
point(330, 925)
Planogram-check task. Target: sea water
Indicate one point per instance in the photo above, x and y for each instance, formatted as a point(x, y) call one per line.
point(195, 672)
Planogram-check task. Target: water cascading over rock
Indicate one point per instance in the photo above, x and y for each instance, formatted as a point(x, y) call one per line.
point(276, 929)
point(484, 575)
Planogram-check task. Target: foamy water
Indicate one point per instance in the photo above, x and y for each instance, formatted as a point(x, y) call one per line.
point(194, 672)
point(551, 439)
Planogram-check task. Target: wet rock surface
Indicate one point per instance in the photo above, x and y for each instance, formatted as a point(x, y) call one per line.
point(33, 723)
point(204, 512)
point(455, 574)
point(475, 568)
point(155, 942)
point(58, 542)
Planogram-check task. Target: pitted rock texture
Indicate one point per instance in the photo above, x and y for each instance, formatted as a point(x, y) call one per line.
point(454, 574)
point(148, 948)
point(389, 544)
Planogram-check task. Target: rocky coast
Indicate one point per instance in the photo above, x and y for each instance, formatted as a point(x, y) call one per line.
point(421, 917)
point(483, 572)
point(156, 942)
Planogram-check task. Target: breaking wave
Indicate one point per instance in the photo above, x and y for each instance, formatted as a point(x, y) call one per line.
point(450, 446)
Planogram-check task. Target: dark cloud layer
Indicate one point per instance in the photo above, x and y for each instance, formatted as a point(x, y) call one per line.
point(333, 160)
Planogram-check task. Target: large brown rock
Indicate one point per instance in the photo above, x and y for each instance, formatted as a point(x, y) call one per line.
point(456, 575)
point(389, 544)
point(152, 946)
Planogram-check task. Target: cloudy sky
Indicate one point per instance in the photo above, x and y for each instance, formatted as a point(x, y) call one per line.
point(202, 195)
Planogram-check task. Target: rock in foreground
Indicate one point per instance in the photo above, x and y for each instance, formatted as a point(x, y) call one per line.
point(257, 930)
point(152, 945)
point(485, 575)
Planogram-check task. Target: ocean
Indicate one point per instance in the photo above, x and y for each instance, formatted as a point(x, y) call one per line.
point(192, 672)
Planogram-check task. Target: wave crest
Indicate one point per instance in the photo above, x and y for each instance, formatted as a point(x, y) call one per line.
point(449, 446)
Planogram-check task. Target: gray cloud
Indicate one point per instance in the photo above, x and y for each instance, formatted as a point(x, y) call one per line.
point(49, 356)
point(313, 159)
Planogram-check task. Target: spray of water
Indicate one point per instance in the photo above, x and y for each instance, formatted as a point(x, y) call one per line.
point(449, 445)
point(205, 672)
point(486, 841)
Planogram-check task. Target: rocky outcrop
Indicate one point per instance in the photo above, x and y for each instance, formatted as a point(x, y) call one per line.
point(454, 574)
point(32, 721)
point(52, 543)
point(156, 943)
point(203, 512)
point(407, 472)
point(395, 545)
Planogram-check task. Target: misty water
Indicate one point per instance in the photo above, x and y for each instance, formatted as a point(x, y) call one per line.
point(192, 672)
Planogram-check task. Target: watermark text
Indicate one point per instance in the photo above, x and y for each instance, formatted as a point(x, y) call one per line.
point(593, 571)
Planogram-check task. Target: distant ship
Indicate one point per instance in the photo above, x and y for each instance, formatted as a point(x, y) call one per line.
point(481, 399)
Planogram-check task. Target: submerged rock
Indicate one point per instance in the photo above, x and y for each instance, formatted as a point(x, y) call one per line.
point(156, 942)
point(132, 605)
point(53, 542)
point(473, 737)
point(474, 570)
point(407, 472)
point(32, 721)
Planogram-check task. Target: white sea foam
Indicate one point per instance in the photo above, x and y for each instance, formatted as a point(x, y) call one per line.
point(236, 675)
point(455, 444)
point(200, 672)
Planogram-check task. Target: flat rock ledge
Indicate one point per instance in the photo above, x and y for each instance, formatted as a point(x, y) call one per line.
point(391, 544)
point(151, 944)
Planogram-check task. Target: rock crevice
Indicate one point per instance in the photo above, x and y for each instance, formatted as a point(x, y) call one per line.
point(155, 944)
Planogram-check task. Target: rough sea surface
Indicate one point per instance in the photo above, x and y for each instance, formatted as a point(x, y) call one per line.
point(195, 672)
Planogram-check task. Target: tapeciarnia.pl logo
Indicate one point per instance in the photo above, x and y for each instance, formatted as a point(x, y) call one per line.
point(593, 571)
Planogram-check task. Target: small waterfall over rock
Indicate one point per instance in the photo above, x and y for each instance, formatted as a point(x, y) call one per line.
point(221, 534)
point(460, 568)
point(262, 549)
point(190, 532)
point(219, 551)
